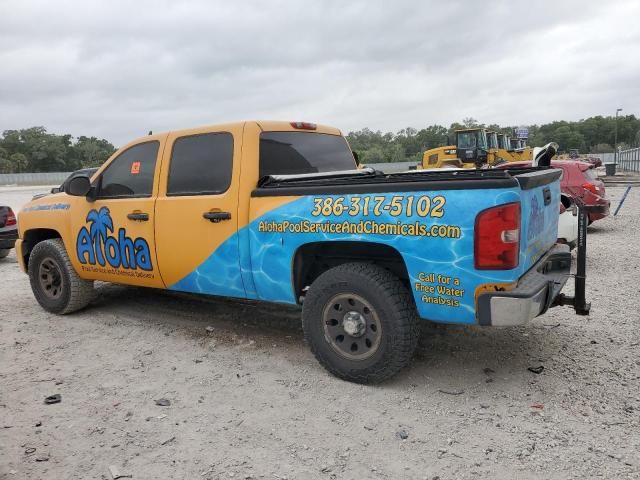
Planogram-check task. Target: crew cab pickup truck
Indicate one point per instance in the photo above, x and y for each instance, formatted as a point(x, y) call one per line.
point(280, 212)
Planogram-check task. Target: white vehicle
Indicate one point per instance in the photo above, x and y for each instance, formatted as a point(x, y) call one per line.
point(568, 221)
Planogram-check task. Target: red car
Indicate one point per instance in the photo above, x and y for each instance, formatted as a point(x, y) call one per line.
point(8, 230)
point(579, 180)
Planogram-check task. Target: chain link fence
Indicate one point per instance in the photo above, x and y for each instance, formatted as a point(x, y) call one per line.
point(629, 160)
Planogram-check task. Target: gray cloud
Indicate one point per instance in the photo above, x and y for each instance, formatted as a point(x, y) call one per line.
point(118, 69)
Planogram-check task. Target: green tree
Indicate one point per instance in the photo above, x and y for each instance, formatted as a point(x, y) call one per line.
point(396, 153)
point(373, 155)
point(35, 150)
point(19, 162)
point(5, 165)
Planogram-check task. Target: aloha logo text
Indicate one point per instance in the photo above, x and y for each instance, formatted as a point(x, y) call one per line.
point(95, 245)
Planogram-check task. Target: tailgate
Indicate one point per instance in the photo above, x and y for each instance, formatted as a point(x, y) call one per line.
point(540, 201)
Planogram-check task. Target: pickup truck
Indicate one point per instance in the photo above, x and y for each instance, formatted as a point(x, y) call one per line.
point(281, 212)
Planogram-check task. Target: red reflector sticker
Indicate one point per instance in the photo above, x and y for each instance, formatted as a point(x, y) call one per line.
point(135, 168)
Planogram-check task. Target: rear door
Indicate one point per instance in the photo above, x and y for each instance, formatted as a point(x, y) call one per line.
point(197, 212)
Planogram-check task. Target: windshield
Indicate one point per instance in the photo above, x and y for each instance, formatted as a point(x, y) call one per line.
point(285, 153)
point(467, 140)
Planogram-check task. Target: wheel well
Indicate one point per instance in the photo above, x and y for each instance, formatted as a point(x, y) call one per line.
point(33, 237)
point(313, 259)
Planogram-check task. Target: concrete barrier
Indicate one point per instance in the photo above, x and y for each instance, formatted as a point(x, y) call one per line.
point(41, 178)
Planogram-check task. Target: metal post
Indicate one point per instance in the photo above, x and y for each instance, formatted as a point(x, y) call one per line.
point(622, 201)
point(615, 142)
point(580, 304)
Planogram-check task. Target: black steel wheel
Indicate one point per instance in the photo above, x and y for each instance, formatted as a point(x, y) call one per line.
point(360, 322)
point(352, 326)
point(50, 278)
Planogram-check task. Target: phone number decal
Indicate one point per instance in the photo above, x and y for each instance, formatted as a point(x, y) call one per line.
point(422, 206)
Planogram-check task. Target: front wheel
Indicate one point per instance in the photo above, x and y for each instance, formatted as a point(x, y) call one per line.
point(4, 252)
point(55, 283)
point(360, 322)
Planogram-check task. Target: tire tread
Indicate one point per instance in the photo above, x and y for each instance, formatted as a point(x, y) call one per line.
point(81, 291)
point(400, 302)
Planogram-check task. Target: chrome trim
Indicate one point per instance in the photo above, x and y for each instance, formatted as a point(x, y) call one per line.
point(511, 311)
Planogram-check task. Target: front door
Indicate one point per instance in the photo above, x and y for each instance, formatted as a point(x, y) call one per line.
point(197, 212)
point(114, 235)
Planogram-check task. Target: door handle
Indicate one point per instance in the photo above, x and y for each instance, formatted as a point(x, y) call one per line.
point(139, 216)
point(216, 217)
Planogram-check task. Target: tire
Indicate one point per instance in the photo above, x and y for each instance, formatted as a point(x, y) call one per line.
point(4, 252)
point(383, 324)
point(54, 282)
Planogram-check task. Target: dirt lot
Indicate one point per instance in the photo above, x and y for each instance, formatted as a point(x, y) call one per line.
point(247, 399)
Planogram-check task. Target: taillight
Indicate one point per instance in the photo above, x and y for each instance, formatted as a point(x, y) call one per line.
point(10, 219)
point(497, 237)
point(591, 187)
point(304, 125)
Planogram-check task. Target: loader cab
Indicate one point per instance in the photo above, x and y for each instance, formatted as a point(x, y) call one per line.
point(492, 140)
point(471, 146)
point(504, 141)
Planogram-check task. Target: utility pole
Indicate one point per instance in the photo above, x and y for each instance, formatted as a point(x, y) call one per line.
point(615, 142)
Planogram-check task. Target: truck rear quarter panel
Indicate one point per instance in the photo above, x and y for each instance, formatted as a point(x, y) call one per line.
point(436, 244)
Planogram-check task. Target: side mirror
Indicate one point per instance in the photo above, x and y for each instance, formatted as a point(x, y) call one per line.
point(78, 186)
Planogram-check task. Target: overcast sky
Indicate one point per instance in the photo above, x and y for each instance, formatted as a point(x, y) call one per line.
point(116, 69)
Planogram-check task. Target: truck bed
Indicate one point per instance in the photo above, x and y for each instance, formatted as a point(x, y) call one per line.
point(369, 180)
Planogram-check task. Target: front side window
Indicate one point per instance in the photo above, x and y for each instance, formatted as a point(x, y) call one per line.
point(284, 153)
point(201, 164)
point(482, 139)
point(130, 174)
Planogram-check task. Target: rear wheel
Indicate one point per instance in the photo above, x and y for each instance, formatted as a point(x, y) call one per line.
point(54, 282)
point(360, 322)
point(4, 252)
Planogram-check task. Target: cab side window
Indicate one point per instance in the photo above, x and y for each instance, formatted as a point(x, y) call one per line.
point(201, 164)
point(130, 174)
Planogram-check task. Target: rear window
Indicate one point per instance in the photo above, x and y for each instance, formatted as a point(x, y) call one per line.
point(285, 153)
point(591, 174)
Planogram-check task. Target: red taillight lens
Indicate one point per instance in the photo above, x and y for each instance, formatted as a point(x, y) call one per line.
point(497, 238)
point(304, 125)
point(591, 187)
point(11, 219)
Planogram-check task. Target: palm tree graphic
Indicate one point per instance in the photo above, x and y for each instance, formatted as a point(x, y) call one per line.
point(100, 221)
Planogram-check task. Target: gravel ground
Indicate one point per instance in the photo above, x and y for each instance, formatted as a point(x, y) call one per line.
point(248, 400)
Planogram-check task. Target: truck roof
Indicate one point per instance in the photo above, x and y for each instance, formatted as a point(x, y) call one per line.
point(265, 126)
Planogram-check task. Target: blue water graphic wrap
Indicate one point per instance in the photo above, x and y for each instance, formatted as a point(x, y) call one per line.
point(219, 274)
point(443, 265)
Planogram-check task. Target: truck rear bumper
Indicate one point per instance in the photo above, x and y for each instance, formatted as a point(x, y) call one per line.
point(534, 294)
